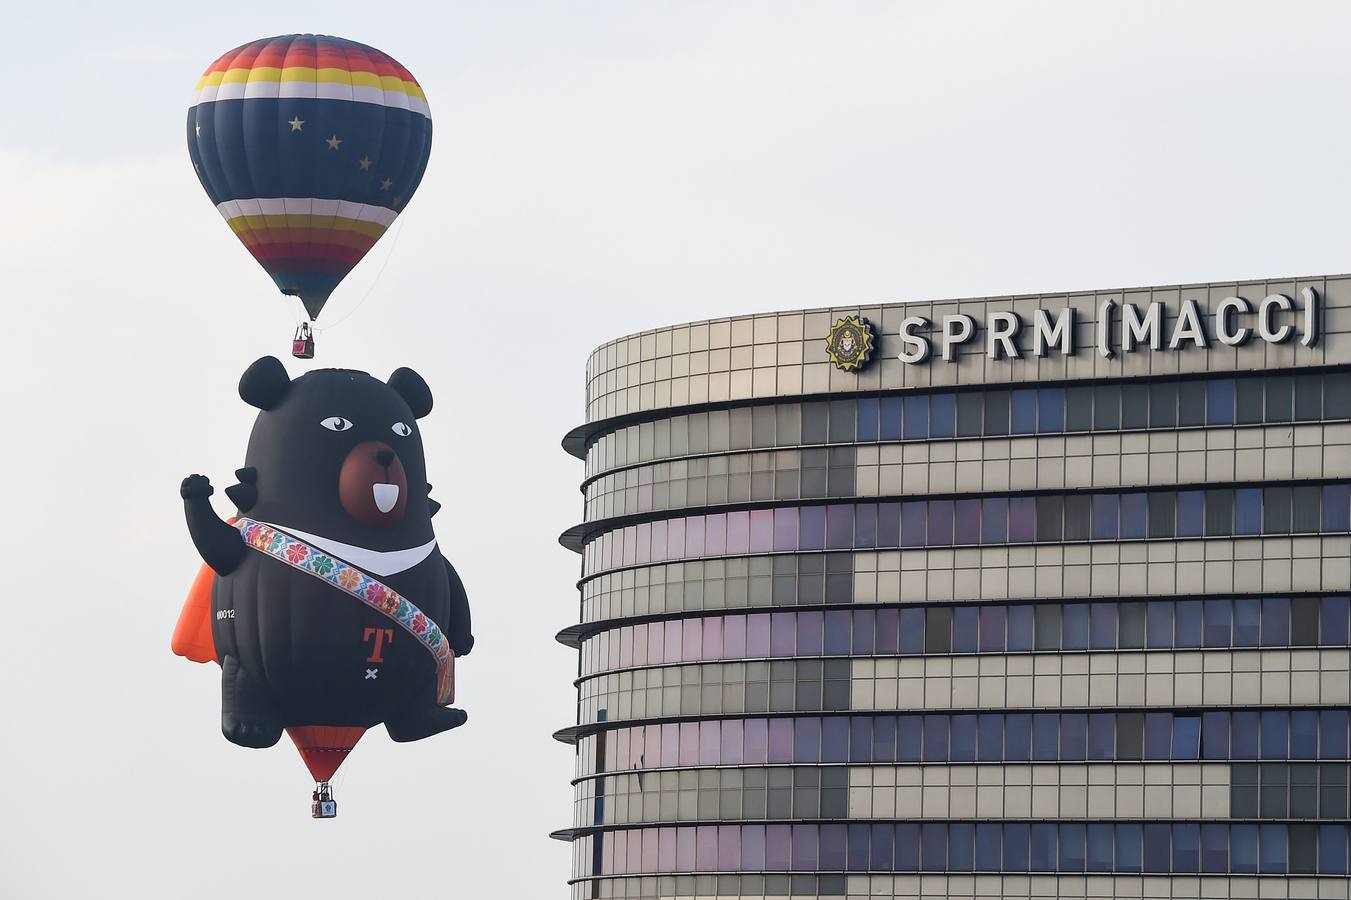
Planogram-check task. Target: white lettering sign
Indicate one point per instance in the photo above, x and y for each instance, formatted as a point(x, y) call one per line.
point(1277, 319)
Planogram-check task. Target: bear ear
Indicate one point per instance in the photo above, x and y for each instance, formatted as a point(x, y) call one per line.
point(264, 383)
point(410, 386)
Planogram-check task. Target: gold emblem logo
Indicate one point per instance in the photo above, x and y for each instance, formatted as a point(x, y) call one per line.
point(850, 344)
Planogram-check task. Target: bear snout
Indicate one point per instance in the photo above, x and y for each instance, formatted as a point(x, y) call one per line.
point(372, 485)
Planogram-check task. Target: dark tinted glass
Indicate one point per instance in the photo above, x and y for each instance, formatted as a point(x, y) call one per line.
point(1334, 619)
point(1107, 407)
point(1132, 625)
point(1219, 512)
point(1332, 733)
point(1047, 627)
point(1247, 622)
point(1308, 397)
point(1130, 735)
point(1102, 626)
point(942, 415)
point(1215, 735)
point(916, 417)
point(1135, 406)
point(1051, 410)
point(867, 421)
point(1128, 839)
point(1275, 731)
point(1276, 510)
point(1187, 628)
point(1024, 411)
point(997, 412)
point(1133, 516)
point(1079, 409)
point(1077, 517)
point(1101, 736)
point(1220, 402)
point(1162, 405)
point(1186, 737)
point(890, 418)
point(1158, 735)
point(1191, 406)
point(815, 423)
point(1243, 849)
point(1050, 518)
point(1275, 621)
point(1249, 399)
point(1074, 626)
point(1336, 510)
point(1218, 616)
point(1280, 398)
point(1073, 736)
point(1332, 849)
point(1100, 840)
point(1304, 621)
point(1186, 847)
point(962, 740)
point(1304, 734)
point(1243, 734)
point(1306, 514)
point(1272, 857)
point(965, 629)
point(1018, 737)
point(988, 846)
point(842, 419)
point(1190, 513)
point(1021, 628)
point(1248, 511)
point(1157, 846)
point(1162, 512)
point(1337, 396)
point(970, 408)
point(1159, 624)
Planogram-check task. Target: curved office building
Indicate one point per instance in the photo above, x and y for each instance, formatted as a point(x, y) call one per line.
point(1038, 596)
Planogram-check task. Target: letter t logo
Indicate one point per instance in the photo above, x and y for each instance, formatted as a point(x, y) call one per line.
point(380, 635)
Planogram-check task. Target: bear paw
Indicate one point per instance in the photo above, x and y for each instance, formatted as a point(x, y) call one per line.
point(195, 487)
point(257, 735)
point(426, 722)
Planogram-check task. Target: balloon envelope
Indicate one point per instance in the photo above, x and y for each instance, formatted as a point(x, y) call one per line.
point(309, 146)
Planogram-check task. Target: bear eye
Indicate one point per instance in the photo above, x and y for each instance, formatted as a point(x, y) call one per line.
point(336, 423)
point(401, 429)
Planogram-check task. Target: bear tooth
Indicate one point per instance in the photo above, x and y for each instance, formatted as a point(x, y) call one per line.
point(386, 495)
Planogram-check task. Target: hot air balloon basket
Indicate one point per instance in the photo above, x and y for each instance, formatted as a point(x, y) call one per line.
point(302, 345)
point(322, 805)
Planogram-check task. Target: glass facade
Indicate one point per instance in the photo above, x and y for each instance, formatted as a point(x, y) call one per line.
point(972, 628)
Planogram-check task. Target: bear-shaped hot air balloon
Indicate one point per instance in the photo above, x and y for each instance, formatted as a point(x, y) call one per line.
point(326, 600)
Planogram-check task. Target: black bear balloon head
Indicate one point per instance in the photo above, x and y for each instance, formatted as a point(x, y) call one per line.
point(338, 453)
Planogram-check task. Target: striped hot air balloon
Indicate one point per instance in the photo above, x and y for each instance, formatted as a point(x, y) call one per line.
point(309, 146)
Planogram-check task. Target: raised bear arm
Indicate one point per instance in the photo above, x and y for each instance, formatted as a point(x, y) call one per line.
point(459, 631)
point(220, 545)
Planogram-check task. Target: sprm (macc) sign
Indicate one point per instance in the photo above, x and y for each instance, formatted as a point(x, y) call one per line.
point(1234, 321)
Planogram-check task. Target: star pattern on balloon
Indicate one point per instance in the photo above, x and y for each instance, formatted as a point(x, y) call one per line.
point(333, 142)
point(386, 184)
point(297, 124)
point(365, 163)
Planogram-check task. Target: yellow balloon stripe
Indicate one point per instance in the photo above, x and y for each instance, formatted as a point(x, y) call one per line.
point(311, 75)
point(243, 224)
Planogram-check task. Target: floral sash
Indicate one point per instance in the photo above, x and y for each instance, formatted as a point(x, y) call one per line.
point(351, 580)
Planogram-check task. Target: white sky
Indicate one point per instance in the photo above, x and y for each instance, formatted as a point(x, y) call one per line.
point(598, 168)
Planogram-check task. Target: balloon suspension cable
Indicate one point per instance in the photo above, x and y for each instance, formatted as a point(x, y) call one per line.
point(394, 242)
